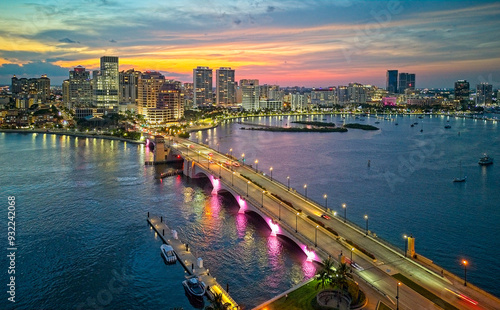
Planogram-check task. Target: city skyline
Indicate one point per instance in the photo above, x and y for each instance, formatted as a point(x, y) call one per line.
point(290, 43)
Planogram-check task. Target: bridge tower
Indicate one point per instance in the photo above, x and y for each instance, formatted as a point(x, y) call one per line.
point(159, 151)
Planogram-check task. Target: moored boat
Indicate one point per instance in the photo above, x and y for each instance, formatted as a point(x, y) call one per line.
point(485, 160)
point(168, 253)
point(194, 287)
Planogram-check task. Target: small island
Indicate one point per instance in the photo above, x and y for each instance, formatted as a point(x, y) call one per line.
point(297, 129)
point(317, 124)
point(360, 126)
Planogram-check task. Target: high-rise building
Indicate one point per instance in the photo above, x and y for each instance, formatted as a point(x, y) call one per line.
point(298, 102)
point(392, 81)
point(149, 85)
point(170, 104)
point(462, 91)
point(106, 83)
point(129, 86)
point(484, 94)
point(77, 90)
point(250, 94)
point(406, 81)
point(356, 93)
point(342, 95)
point(323, 97)
point(33, 90)
point(225, 86)
point(202, 84)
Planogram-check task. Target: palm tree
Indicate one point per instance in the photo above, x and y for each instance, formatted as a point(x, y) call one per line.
point(325, 274)
point(217, 303)
point(341, 279)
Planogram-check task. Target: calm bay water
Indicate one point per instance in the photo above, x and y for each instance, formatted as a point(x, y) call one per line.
point(83, 239)
point(82, 235)
point(407, 189)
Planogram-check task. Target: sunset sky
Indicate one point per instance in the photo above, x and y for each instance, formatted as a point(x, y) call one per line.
point(287, 42)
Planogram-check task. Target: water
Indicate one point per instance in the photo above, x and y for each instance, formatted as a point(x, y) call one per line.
point(83, 239)
point(407, 189)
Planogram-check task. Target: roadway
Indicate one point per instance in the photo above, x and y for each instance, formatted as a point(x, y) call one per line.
point(378, 274)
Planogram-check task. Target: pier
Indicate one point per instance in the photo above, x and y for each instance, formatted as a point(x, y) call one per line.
point(190, 263)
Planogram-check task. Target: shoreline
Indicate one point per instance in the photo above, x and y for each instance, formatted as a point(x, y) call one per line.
point(70, 134)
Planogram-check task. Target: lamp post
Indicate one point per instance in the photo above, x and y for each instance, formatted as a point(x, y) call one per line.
point(397, 296)
point(316, 236)
point(296, 219)
point(345, 212)
point(248, 182)
point(262, 202)
point(288, 182)
point(271, 169)
point(243, 158)
point(279, 212)
point(366, 218)
point(326, 202)
point(231, 152)
point(232, 178)
point(406, 243)
point(256, 165)
point(464, 262)
point(305, 190)
point(220, 168)
point(198, 156)
point(218, 147)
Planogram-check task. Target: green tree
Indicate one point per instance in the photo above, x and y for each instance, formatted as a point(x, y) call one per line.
point(325, 274)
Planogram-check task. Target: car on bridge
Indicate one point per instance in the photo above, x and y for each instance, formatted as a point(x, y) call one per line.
point(236, 164)
point(325, 216)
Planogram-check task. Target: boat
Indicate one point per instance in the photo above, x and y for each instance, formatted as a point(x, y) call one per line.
point(194, 287)
point(460, 178)
point(377, 122)
point(485, 160)
point(168, 253)
point(412, 125)
point(447, 126)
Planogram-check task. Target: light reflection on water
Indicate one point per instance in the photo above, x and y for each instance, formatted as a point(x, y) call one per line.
point(87, 216)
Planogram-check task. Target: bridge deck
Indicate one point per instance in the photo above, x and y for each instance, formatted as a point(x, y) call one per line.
point(188, 260)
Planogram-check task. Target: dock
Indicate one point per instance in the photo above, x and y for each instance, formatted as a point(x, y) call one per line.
point(189, 261)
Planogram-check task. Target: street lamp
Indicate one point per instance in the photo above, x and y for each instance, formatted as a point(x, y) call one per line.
point(397, 296)
point(198, 156)
point(366, 218)
point(316, 236)
point(220, 168)
point(288, 182)
point(247, 187)
point(231, 152)
point(218, 147)
point(326, 202)
point(406, 243)
point(256, 165)
point(243, 158)
point(271, 169)
point(305, 189)
point(296, 219)
point(345, 212)
point(232, 178)
point(279, 212)
point(464, 262)
point(263, 199)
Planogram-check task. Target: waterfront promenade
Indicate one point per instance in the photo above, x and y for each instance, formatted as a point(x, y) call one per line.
point(382, 273)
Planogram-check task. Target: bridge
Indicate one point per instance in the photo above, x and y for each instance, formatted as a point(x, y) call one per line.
point(383, 271)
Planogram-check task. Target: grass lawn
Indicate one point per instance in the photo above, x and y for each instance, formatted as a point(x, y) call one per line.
point(424, 292)
point(300, 299)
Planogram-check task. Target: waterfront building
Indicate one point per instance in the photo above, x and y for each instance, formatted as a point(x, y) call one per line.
point(202, 84)
point(356, 93)
point(462, 91)
point(149, 85)
point(273, 105)
point(170, 102)
point(298, 102)
point(392, 81)
point(342, 95)
point(406, 81)
point(106, 83)
point(249, 94)
point(323, 97)
point(187, 91)
point(129, 86)
point(77, 90)
point(225, 86)
point(484, 94)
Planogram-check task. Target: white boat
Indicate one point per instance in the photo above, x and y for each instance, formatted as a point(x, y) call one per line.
point(194, 287)
point(168, 253)
point(485, 160)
